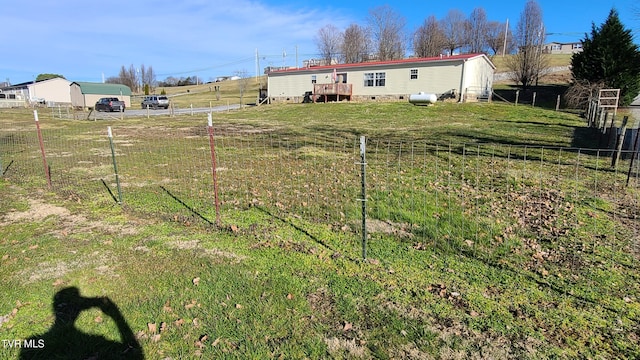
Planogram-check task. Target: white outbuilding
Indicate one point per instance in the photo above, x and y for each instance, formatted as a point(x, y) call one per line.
point(466, 77)
point(53, 91)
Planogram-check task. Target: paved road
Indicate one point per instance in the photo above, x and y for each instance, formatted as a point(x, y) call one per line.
point(151, 112)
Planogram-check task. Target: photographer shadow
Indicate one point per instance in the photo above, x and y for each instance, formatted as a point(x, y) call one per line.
point(65, 341)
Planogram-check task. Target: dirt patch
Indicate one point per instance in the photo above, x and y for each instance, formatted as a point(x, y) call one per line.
point(99, 261)
point(451, 332)
point(69, 223)
point(212, 252)
point(337, 346)
point(389, 228)
point(38, 211)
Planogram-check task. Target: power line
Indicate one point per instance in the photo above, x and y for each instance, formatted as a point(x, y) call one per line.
point(235, 62)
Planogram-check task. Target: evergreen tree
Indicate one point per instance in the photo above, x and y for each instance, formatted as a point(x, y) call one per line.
point(609, 56)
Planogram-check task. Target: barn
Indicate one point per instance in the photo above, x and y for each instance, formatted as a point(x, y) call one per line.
point(85, 94)
point(466, 77)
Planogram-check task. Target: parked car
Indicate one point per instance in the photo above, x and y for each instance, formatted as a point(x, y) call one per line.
point(155, 101)
point(109, 104)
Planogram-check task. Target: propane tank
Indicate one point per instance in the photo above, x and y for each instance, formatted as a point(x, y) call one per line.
point(422, 98)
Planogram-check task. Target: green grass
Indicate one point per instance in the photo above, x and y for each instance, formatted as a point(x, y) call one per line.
point(276, 283)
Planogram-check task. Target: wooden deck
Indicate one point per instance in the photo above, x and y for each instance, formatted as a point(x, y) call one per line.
point(335, 91)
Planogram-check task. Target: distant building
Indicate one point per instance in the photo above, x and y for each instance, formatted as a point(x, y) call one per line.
point(465, 77)
point(51, 92)
point(227, 78)
point(562, 48)
point(85, 94)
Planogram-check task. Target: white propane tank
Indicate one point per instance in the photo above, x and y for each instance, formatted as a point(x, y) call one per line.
point(422, 98)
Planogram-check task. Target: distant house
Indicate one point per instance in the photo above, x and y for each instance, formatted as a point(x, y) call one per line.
point(562, 48)
point(85, 94)
point(51, 92)
point(226, 78)
point(465, 77)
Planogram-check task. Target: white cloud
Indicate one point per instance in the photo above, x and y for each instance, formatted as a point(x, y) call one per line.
point(82, 39)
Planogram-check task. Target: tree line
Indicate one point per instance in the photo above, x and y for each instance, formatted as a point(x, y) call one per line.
point(384, 37)
point(609, 57)
point(143, 78)
point(137, 79)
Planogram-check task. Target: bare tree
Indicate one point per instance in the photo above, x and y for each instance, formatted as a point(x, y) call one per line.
point(453, 26)
point(495, 38)
point(355, 44)
point(387, 30)
point(328, 40)
point(477, 26)
point(529, 63)
point(129, 77)
point(581, 91)
point(148, 76)
point(428, 40)
point(243, 82)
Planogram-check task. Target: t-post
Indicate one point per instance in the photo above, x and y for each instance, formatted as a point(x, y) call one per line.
point(363, 194)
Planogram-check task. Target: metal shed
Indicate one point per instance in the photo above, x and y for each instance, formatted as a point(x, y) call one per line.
point(85, 94)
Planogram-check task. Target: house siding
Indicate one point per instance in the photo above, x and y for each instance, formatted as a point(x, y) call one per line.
point(562, 48)
point(52, 91)
point(473, 74)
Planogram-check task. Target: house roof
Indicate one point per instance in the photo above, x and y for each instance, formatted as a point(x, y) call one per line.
point(103, 89)
point(25, 85)
point(409, 61)
point(564, 43)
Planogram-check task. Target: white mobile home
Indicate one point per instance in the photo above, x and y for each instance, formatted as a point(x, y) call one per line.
point(465, 77)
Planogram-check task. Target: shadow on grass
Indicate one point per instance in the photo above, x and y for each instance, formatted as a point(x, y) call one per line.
point(192, 210)
point(113, 196)
point(300, 229)
point(2, 172)
point(586, 138)
point(546, 96)
point(541, 283)
point(65, 341)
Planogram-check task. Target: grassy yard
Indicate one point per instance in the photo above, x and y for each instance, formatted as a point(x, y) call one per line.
point(278, 285)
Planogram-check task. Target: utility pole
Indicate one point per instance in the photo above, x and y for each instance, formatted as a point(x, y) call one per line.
point(506, 31)
point(257, 65)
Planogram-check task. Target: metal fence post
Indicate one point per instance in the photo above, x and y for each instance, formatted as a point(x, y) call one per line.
point(47, 171)
point(213, 167)
point(363, 194)
point(115, 166)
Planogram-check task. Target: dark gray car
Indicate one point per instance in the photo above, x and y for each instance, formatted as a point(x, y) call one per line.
point(110, 104)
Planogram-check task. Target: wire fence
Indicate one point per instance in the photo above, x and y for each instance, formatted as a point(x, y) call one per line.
point(483, 199)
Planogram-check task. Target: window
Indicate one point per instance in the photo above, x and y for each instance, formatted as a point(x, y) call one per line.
point(368, 79)
point(577, 46)
point(313, 79)
point(414, 74)
point(342, 78)
point(371, 79)
point(556, 47)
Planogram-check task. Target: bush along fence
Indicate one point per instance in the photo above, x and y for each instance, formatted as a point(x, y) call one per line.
point(482, 200)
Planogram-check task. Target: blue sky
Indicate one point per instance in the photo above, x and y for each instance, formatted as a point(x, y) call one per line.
point(84, 39)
